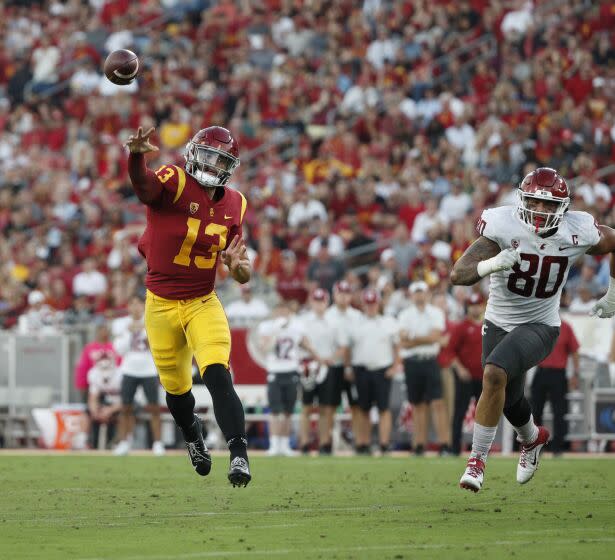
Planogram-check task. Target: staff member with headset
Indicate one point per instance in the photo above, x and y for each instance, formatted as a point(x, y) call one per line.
point(421, 331)
point(375, 349)
point(466, 346)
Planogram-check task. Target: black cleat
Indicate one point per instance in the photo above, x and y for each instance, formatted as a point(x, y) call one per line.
point(239, 472)
point(198, 452)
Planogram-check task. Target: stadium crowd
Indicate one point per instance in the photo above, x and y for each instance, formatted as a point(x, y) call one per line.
point(355, 132)
point(372, 135)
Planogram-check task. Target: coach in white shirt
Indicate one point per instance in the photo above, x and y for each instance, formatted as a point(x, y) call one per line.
point(376, 351)
point(318, 384)
point(138, 370)
point(342, 316)
point(421, 330)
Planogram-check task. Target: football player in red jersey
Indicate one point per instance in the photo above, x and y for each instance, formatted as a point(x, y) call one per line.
point(192, 219)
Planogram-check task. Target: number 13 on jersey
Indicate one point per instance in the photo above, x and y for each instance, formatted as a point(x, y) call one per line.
point(183, 257)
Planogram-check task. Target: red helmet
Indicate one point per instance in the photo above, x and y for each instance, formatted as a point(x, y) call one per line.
point(544, 184)
point(211, 156)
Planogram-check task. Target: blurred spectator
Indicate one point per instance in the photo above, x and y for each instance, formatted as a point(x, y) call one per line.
point(246, 310)
point(89, 282)
point(99, 349)
point(421, 330)
point(586, 278)
point(325, 238)
point(583, 300)
point(290, 280)
point(324, 270)
point(317, 385)
point(104, 399)
point(45, 60)
point(137, 369)
point(375, 351)
point(39, 318)
point(305, 209)
point(551, 382)
point(281, 338)
point(465, 346)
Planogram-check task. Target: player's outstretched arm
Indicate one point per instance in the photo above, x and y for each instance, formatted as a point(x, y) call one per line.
point(147, 187)
point(605, 307)
point(235, 257)
point(481, 258)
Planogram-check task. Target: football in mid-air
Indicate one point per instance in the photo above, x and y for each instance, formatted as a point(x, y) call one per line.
point(121, 67)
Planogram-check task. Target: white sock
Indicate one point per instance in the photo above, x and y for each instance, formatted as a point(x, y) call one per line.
point(284, 443)
point(528, 432)
point(482, 440)
point(274, 442)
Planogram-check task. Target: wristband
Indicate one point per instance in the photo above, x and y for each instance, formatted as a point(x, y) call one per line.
point(485, 267)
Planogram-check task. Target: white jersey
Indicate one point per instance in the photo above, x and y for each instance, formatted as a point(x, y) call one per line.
point(342, 323)
point(418, 323)
point(321, 333)
point(531, 292)
point(105, 380)
point(137, 360)
point(373, 339)
point(285, 353)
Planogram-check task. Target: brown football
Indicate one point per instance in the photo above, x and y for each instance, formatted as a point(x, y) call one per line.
point(121, 67)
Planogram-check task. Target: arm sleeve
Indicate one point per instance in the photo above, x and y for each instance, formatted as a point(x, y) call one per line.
point(145, 183)
point(237, 230)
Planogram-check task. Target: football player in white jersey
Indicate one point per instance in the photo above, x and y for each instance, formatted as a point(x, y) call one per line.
point(283, 338)
point(527, 250)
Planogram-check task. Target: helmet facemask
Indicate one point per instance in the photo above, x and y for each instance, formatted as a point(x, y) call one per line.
point(541, 222)
point(209, 166)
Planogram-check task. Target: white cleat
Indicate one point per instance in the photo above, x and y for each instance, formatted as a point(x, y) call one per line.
point(528, 460)
point(122, 448)
point(473, 476)
point(158, 449)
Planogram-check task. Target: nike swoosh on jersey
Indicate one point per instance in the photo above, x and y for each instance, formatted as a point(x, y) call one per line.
point(227, 217)
point(564, 248)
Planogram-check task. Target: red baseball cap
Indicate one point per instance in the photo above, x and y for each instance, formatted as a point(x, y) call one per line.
point(370, 296)
point(319, 295)
point(343, 287)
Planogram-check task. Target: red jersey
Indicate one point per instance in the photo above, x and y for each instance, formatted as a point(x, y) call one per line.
point(467, 345)
point(566, 344)
point(185, 229)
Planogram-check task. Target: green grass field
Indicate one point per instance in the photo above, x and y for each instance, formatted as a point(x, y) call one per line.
point(145, 508)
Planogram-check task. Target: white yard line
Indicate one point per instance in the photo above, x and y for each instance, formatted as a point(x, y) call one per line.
point(338, 549)
point(290, 511)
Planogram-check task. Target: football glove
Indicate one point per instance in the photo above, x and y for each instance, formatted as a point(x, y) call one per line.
point(605, 306)
point(502, 261)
